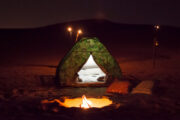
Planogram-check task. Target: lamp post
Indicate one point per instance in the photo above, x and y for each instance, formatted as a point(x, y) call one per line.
point(78, 33)
point(69, 29)
point(155, 44)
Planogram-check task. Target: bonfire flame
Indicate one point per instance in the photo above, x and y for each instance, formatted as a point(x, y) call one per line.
point(85, 103)
point(81, 102)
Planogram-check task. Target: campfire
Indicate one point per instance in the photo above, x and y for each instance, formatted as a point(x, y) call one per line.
point(85, 103)
point(80, 102)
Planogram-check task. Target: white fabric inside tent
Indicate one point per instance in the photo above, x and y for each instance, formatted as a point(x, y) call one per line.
point(90, 72)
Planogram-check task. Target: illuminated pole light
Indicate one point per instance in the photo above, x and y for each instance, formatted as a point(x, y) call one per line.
point(157, 27)
point(69, 29)
point(155, 44)
point(78, 33)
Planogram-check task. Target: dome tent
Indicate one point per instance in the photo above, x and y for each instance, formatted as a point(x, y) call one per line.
point(71, 64)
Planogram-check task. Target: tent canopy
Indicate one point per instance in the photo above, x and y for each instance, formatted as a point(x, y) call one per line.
point(70, 65)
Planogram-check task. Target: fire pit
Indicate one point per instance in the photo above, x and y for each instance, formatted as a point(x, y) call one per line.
point(79, 102)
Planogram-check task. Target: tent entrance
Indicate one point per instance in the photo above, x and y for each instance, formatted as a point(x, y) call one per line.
point(91, 73)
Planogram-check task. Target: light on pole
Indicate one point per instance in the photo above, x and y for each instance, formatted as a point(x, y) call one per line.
point(78, 33)
point(69, 29)
point(155, 44)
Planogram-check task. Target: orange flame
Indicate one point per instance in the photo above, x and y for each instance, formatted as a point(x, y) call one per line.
point(81, 102)
point(85, 103)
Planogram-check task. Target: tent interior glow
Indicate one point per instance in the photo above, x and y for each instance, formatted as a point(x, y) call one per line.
point(90, 72)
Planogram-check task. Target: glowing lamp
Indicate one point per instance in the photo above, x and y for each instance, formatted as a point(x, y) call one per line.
point(69, 29)
point(157, 27)
point(156, 43)
point(79, 31)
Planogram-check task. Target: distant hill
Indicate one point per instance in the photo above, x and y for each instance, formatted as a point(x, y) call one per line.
point(55, 38)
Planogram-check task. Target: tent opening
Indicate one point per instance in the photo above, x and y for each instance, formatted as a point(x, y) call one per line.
point(91, 72)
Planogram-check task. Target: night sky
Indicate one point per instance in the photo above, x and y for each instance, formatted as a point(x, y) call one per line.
point(36, 13)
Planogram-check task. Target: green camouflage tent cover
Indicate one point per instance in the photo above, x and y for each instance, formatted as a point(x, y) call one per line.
point(71, 64)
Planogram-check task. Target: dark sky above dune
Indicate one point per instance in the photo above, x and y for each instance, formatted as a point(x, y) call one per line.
point(35, 13)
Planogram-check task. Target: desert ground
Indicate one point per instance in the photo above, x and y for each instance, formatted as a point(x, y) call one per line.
point(26, 81)
point(28, 68)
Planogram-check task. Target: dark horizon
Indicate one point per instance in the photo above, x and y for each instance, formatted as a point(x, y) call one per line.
point(80, 23)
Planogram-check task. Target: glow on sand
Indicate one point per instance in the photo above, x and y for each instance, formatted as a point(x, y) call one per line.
point(83, 102)
point(87, 103)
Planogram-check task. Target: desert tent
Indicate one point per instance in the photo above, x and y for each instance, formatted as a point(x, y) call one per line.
point(75, 64)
